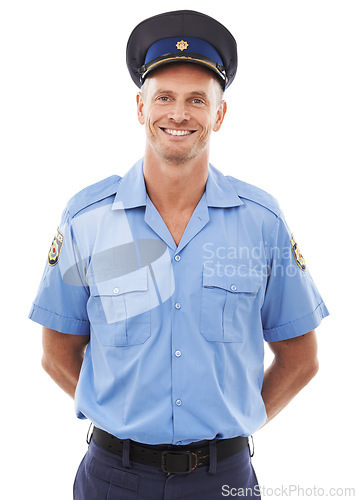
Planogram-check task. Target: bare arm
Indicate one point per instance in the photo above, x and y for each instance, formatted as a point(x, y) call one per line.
point(62, 357)
point(295, 364)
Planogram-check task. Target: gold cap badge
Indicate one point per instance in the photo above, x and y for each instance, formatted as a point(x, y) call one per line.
point(182, 45)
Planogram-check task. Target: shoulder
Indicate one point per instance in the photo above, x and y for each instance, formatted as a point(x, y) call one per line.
point(255, 195)
point(93, 194)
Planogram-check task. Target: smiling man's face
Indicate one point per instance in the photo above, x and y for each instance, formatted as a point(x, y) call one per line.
point(180, 105)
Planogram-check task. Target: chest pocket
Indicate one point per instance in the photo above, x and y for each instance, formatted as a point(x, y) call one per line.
point(227, 304)
point(119, 309)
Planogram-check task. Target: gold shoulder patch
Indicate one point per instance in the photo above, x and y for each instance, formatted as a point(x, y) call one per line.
point(56, 247)
point(297, 254)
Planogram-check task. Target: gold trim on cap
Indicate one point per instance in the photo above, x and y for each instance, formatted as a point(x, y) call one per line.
point(180, 58)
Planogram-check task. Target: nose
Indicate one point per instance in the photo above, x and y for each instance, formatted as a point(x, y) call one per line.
point(178, 112)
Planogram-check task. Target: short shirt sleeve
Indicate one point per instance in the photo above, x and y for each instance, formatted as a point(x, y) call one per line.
point(292, 305)
point(61, 301)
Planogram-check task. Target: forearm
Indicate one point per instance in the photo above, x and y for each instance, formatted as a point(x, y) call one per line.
point(63, 356)
point(65, 375)
point(280, 386)
point(294, 365)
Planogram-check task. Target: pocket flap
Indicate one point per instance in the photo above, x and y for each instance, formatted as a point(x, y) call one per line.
point(247, 282)
point(131, 282)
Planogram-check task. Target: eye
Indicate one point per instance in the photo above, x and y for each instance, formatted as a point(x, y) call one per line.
point(197, 101)
point(163, 98)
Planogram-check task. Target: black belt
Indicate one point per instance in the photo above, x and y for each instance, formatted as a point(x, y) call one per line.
point(180, 460)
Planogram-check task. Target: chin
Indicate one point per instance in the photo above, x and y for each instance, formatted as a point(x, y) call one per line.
point(177, 160)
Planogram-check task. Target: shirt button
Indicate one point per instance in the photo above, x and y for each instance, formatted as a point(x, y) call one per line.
point(116, 290)
point(178, 402)
point(178, 354)
point(177, 258)
point(177, 305)
point(233, 288)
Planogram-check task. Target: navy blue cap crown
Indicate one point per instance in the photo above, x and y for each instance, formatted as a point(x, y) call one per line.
point(181, 36)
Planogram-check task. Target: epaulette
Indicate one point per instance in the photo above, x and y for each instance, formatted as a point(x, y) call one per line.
point(255, 194)
point(92, 194)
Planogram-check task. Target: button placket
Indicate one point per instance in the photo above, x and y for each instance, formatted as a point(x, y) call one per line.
point(178, 364)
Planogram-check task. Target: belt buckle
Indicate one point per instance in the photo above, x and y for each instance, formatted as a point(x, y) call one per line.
point(167, 457)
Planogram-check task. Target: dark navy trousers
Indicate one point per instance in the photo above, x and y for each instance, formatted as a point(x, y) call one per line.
point(102, 475)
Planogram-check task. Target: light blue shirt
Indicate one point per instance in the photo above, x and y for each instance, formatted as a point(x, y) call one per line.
point(176, 333)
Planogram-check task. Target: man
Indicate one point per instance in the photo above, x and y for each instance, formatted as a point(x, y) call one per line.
point(162, 286)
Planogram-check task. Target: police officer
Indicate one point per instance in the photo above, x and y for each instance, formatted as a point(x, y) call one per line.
point(161, 287)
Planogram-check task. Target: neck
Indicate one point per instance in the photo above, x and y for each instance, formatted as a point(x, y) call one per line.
point(177, 187)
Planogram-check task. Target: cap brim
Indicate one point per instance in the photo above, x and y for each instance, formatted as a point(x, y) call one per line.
point(186, 58)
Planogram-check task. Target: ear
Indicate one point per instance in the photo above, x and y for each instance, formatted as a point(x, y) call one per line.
point(140, 105)
point(220, 115)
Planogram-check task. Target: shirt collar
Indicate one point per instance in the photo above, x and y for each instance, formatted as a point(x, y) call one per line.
point(132, 193)
point(219, 191)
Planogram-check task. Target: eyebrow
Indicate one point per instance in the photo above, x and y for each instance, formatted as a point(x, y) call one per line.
point(171, 92)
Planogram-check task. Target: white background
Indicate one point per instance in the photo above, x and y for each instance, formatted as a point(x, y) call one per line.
point(68, 119)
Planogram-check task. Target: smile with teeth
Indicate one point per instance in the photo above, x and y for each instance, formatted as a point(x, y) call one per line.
point(177, 132)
